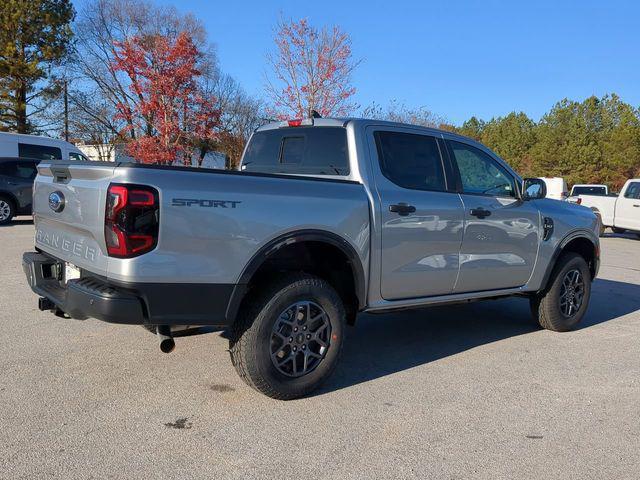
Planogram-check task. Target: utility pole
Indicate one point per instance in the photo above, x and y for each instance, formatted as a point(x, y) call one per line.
point(66, 111)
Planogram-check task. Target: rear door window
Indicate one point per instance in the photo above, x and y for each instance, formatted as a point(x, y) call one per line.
point(26, 170)
point(410, 160)
point(302, 150)
point(19, 169)
point(41, 152)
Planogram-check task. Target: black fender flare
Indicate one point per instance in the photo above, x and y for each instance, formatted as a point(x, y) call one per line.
point(290, 238)
point(560, 247)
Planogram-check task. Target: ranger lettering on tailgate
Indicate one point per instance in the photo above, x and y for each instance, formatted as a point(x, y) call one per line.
point(63, 244)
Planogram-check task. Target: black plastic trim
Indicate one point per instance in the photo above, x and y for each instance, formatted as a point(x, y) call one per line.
point(556, 254)
point(131, 303)
point(291, 238)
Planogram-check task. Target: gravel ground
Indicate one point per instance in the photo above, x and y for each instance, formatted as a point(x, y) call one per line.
point(474, 391)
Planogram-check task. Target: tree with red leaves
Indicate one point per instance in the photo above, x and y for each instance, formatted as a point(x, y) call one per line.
point(168, 116)
point(312, 70)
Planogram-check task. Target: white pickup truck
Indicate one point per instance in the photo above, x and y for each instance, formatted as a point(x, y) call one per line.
point(621, 213)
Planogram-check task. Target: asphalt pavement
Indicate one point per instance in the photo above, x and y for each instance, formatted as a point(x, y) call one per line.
point(472, 391)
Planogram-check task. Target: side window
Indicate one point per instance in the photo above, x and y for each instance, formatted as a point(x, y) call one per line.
point(26, 170)
point(41, 152)
point(410, 160)
point(633, 190)
point(481, 174)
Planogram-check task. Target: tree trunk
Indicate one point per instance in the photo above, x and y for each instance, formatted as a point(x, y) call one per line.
point(21, 108)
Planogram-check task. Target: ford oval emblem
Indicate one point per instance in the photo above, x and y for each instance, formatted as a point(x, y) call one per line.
point(56, 201)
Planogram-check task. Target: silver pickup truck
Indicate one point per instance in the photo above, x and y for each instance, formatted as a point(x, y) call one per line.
point(326, 218)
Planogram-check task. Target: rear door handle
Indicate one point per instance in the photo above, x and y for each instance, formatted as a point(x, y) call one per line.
point(402, 209)
point(636, 205)
point(480, 212)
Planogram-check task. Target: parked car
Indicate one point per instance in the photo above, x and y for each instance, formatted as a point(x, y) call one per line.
point(16, 182)
point(41, 148)
point(622, 212)
point(556, 187)
point(327, 218)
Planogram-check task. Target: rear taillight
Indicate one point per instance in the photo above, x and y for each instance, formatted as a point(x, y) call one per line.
point(131, 220)
point(579, 201)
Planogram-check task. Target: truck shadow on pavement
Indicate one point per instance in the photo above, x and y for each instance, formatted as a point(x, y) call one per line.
point(384, 344)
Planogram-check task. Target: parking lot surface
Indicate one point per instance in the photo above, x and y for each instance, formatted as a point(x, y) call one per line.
point(467, 391)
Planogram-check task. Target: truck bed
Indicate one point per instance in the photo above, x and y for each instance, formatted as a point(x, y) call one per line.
point(211, 222)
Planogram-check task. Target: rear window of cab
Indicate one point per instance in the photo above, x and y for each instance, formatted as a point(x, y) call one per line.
point(301, 150)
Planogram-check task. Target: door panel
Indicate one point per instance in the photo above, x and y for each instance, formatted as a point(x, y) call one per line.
point(421, 222)
point(498, 251)
point(420, 251)
point(501, 232)
point(628, 208)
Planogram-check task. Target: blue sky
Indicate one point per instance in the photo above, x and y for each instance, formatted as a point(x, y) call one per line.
point(457, 58)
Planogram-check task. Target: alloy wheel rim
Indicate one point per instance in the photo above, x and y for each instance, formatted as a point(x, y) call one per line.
point(300, 338)
point(571, 293)
point(5, 210)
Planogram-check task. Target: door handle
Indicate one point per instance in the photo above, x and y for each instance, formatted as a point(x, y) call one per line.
point(402, 209)
point(636, 205)
point(480, 212)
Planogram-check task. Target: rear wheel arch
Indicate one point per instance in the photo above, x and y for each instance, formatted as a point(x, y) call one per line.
point(317, 252)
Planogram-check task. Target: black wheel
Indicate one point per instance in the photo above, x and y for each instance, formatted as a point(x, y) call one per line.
point(287, 340)
point(7, 210)
point(618, 230)
point(561, 307)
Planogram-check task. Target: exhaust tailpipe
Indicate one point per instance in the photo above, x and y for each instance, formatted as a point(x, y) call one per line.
point(167, 344)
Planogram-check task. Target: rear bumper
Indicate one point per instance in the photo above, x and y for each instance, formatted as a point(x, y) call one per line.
point(129, 303)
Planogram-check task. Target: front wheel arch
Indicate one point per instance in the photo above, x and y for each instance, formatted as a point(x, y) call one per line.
point(574, 243)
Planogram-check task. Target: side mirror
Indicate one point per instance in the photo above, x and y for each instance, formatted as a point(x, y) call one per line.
point(533, 189)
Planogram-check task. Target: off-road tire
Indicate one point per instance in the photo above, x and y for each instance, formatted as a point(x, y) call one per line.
point(7, 203)
point(251, 335)
point(545, 306)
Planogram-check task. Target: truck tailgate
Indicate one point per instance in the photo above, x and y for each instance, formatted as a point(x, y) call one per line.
point(74, 231)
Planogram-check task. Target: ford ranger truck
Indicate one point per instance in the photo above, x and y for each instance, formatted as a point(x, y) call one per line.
point(326, 218)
